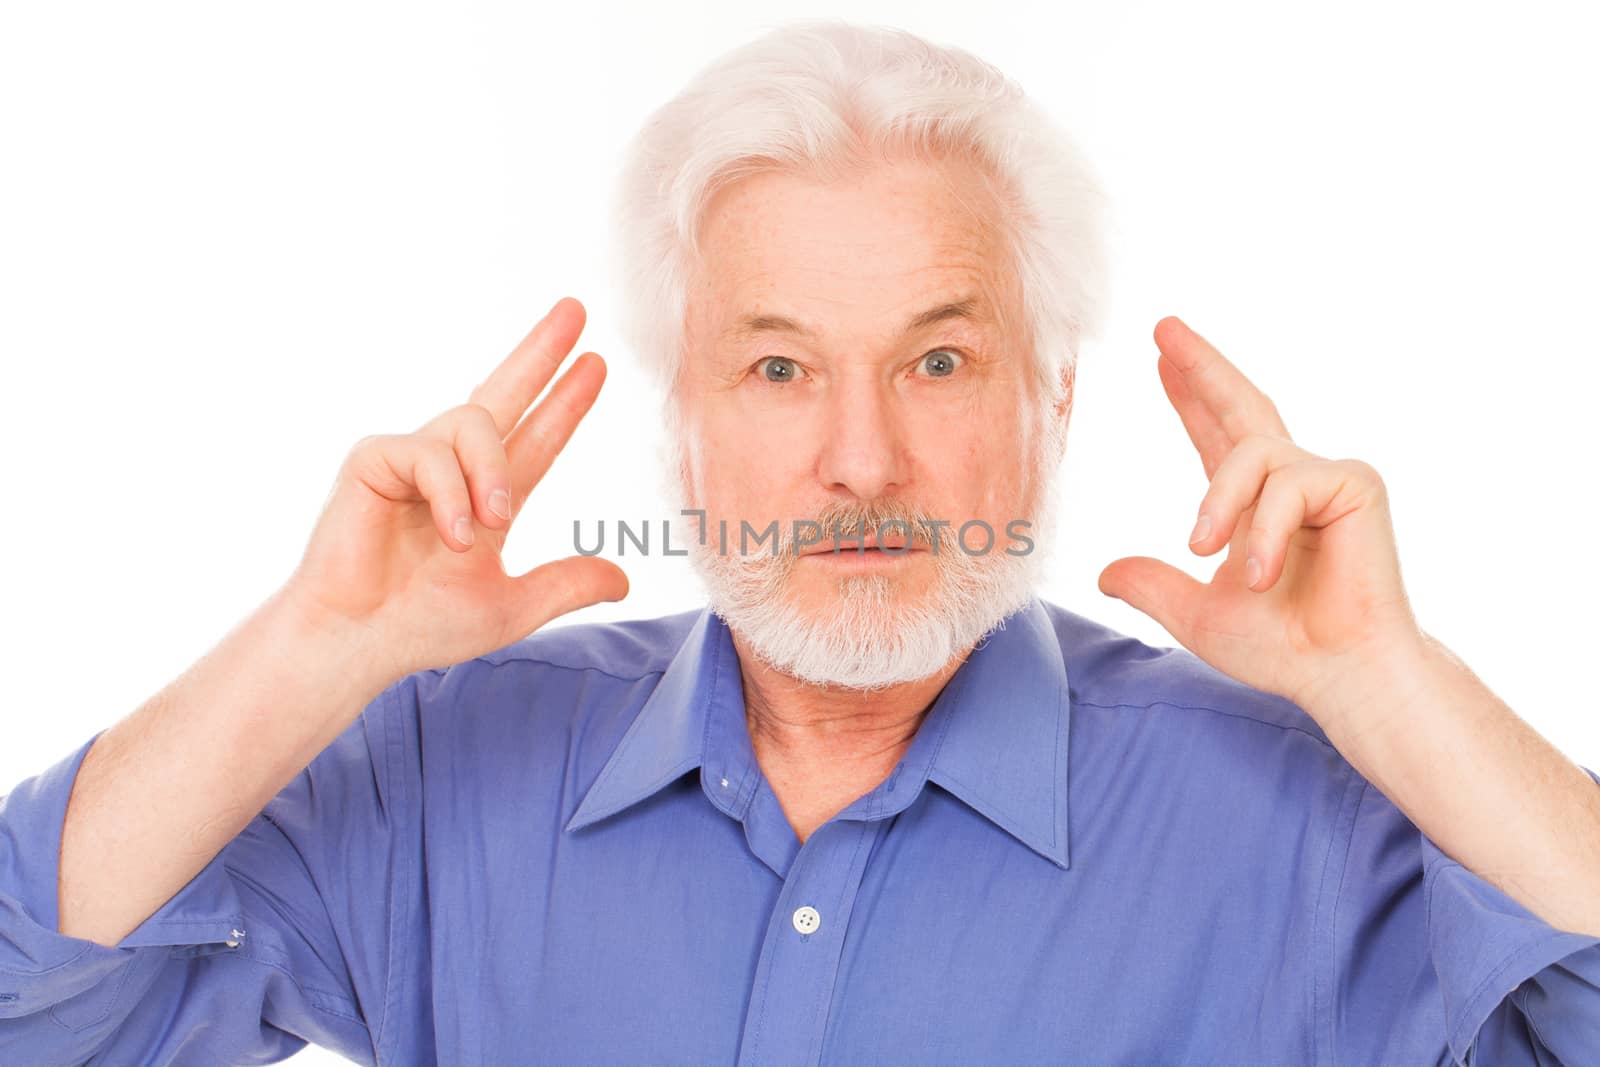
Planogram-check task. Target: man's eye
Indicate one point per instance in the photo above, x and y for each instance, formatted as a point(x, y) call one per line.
point(940, 363)
point(778, 369)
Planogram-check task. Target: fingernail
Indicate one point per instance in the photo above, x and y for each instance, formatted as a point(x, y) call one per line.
point(463, 530)
point(1252, 571)
point(500, 503)
point(1201, 529)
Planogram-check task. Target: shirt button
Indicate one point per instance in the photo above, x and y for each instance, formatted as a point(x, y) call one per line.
point(807, 919)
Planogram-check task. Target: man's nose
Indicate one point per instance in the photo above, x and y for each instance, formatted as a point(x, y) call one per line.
point(864, 445)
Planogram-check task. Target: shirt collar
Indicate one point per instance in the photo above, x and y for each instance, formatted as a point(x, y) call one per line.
point(996, 737)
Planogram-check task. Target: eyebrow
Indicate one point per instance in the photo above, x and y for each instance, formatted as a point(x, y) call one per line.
point(968, 308)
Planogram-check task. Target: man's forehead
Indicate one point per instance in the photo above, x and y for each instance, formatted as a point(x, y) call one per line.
point(962, 303)
point(904, 248)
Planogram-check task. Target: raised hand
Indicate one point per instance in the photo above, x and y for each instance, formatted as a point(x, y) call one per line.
point(406, 554)
point(1310, 588)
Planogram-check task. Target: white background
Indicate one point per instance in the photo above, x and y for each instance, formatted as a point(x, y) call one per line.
point(234, 240)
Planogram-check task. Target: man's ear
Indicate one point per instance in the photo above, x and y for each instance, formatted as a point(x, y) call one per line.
point(1060, 414)
point(1063, 410)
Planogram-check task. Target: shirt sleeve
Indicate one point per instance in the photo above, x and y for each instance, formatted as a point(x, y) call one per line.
point(1433, 964)
point(282, 940)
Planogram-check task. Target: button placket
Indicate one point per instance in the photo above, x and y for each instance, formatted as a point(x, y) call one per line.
point(795, 978)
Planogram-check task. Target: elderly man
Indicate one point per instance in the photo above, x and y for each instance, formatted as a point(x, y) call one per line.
point(878, 803)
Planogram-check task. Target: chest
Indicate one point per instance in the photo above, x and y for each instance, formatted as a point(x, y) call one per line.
point(931, 936)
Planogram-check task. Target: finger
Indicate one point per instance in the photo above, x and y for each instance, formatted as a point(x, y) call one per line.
point(522, 375)
point(563, 585)
point(1235, 485)
point(536, 441)
point(1171, 597)
point(1217, 387)
point(469, 429)
point(406, 467)
point(1310, 492)
point(1205, 432)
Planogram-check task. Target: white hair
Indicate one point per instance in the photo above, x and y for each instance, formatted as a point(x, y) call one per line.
point(820, 97)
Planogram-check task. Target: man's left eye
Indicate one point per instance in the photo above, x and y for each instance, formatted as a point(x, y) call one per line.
point(940, 363)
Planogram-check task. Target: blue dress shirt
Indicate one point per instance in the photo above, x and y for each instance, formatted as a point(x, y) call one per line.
point(1095, 851)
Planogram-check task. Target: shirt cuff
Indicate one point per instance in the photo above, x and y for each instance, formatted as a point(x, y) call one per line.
point(39, 965)
point(1484, 943)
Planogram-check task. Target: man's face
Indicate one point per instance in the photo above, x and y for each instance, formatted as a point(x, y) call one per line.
point(857, 410)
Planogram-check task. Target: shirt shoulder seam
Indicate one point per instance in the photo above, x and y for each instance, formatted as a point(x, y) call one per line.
point(1215, 711)
point(545, 661)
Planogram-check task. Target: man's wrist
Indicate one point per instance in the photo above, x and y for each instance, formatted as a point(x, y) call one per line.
point(313, 640)
point(1362, 687)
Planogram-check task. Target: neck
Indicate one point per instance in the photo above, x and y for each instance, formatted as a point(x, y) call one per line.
point(822, 747)
point(796, 722)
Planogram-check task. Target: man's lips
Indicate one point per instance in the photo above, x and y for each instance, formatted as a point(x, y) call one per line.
point(890, 546)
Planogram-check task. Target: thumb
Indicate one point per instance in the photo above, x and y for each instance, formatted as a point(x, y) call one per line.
point(1163, 592)
point(555, 588)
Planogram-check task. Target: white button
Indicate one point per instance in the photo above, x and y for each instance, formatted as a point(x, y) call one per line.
point(724, 783)
point(806, 919)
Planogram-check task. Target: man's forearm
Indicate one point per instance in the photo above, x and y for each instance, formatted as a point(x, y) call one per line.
point(1487, 788)
point(162, 791)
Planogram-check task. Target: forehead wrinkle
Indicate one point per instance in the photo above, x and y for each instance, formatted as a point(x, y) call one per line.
point(968, 306)
point(958, 240)
point(958, 289)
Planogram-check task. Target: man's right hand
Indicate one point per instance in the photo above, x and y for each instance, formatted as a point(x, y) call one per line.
point(405, 558)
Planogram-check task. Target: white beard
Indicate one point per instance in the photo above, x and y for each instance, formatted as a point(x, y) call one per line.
point(875, 636)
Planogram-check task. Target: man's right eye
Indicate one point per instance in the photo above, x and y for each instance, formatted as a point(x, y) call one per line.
point(778, 369)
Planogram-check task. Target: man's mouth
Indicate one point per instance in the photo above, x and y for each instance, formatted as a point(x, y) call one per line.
point(868, 545)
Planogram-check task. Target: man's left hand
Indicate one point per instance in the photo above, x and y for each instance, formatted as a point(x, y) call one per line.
point(1310, 590)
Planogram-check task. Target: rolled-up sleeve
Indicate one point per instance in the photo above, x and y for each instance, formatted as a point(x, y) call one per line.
point(283, 939)
point(1433, 964)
